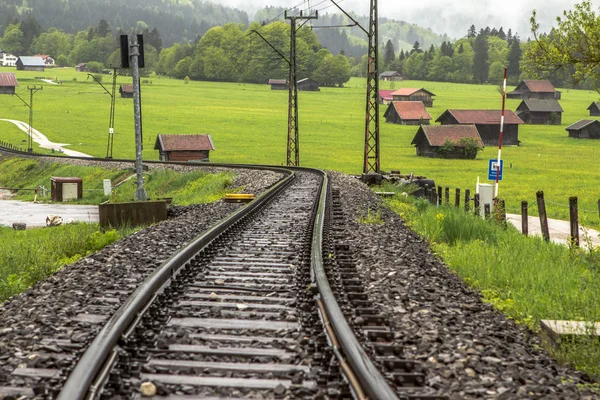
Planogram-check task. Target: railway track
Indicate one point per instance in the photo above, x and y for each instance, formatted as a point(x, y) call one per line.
point(247, 311)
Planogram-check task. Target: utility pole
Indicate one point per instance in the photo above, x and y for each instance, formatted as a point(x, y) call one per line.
point(134, 52)
point(293, 144)
point(111, 118)
point(32, 91)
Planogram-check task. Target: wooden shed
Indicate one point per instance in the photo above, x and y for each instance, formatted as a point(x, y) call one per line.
point(487, 123)
point(594, 109)
point(308, 85)
point(390, 76)
point(534, 89)
point(413, 94)
point(430, 138)
point(543, 112)
point(184, 147)
point(407, 113)
point(8, 83)
point(278, 84)
point(385, 96)
point(584, 129)
point(66, 188)
point(31, 64)
point(81, 67)
point(126, 91)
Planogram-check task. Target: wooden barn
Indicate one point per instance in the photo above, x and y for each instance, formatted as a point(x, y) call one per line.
point(594, 109)
point(308, 85)
point(126, 91)
point(487, 123)
point(183, 147)
point(407, 113)
point(31, 64)
point(385, 96)
point(8, 83)
point(584, 129)
point(413, 94)
point(534, 89)
point(278, 84)
point(542, 112)
point(390, 76)
point(81, 67)
point(430, 138)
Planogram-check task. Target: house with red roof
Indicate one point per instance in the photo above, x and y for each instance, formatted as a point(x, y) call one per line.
point(385, 96)
point(8, 83)
point(433, 141)
point(534, 89)
point(414, 94)
point(487, 123)
point(184, 147)
point(407, 113)
point(279, 84)
point(126, 91)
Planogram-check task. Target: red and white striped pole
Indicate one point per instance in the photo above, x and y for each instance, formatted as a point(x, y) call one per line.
point(501, 131)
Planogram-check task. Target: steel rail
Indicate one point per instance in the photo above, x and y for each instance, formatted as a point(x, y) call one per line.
point(92, 361)
point(373, 383)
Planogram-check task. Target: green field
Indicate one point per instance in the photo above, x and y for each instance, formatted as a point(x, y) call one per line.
point(248, 124)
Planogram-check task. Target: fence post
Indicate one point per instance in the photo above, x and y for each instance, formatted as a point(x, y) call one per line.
point(447, 195)
point(476, 205)
point(457, 198)
point(598, 208)
point(543, 217)
point(467, 199)
point(524, 218)
point(486, 210)
point(439, 195)
point(503, 211)
point(574, 221)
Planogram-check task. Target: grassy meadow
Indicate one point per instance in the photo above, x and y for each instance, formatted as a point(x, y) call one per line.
point(248, 124)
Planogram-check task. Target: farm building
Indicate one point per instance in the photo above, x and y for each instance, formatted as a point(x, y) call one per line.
point(278, 84)
point(81, 67)
point(126, 91)
point(413, 94)
point(308, 85)
point(183, 147)
point(407, 113)
point(390, 76)
point(30, 64)
point(385, 96)
point(7, 59)
point(8, 83)
point(487, 123)
point(594, 109)
point(534, 89)
point(430, 138)
point(544, 112)
point(49, 61)
point(584, 129)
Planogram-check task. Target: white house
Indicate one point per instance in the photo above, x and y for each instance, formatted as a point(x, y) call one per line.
point(7, 59)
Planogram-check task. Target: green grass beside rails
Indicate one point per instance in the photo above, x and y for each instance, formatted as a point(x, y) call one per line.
point(27, 257)
point(524, 277)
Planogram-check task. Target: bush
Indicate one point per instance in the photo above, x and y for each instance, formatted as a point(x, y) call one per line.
point(94, 66)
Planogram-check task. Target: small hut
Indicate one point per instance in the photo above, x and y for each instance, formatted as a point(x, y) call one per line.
point(413, 94)
point(430, 141)
point(487, 123)
point(407, 113)
point(126, 91)
point(594, 109)
point(278, 84)
point(385, 96)
point(8, 83)
point(534, 89)
point(308, 85)
point(541, 112)
point(184, 147)
point(31, 64)
point(81, 67)
point(584, 129)
point(390, 76)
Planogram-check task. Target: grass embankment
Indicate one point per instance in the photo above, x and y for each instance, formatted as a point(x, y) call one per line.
point(524, 277)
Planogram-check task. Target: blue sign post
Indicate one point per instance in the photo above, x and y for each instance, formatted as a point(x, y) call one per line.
point(493, 169)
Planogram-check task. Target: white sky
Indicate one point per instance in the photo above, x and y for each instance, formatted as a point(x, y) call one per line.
point(442, 16)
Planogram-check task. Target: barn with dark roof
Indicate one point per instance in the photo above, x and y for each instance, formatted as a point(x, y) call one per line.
point(407, 113)
point(487, 123)
point(8, 83)
point(184, 147)
point(594, 109)
point(278, 84)
point(584, 129)
point(541, 112)
point(30, 64)
point(534, 89)
point(430, 139)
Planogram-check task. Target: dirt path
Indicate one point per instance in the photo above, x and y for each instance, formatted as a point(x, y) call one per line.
point(43, 141)
point(559, 230)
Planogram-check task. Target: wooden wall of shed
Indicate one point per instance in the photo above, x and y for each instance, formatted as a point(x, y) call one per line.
point(490, 134)
point(7, 90)
point(188, 155)
point(588, 132)
point(540, 118)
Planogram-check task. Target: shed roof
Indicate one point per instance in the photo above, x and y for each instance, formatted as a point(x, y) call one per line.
point(196, 142)
point(540, 86)
point(8, 79)
point(594, 104)
point(482, 117)
point(126, 88)
point(411, 110)
point(437, 135)
point(307, 80)
point(409, 91)
point(541, 105)
point(33, 61)
point(581, 124)
point(390, 73)
point(277, 82)
point(386, 94)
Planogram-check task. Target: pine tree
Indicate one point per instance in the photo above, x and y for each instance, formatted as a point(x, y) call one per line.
point(402, 55)
point(514, 59)
point(461, 49)
point(501, 34)
point(389, 54)
point(155, 40)
point(103, 28)
point(480, 59)
point(416, 48)
point(509, 36)
point(471, 33)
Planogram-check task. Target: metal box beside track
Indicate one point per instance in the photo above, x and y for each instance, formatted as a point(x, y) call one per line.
point(66, 188)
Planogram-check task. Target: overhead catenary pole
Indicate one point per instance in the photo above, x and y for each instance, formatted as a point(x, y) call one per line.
point(371, 159)
point(134, 52)
point(500, 137)
point(111, 124)
point(32, 91)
